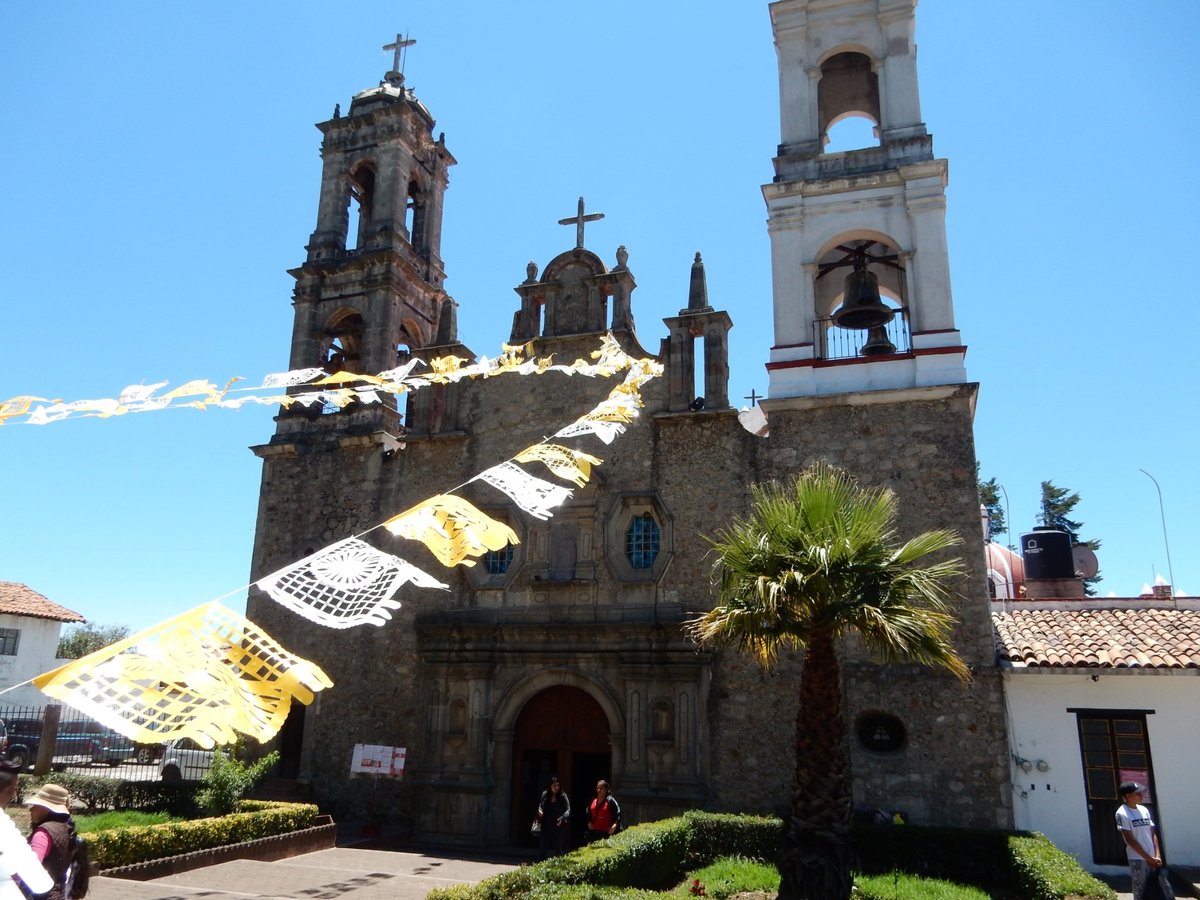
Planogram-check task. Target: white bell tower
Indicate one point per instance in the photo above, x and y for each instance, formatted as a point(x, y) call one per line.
point(876, 214)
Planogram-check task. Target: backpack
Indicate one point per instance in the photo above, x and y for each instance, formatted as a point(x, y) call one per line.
point(75, 885)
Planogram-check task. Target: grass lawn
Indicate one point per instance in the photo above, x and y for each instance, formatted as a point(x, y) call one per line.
point(122, 818)
point(725, 878)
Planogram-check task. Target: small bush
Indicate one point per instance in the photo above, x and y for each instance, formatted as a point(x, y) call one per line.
point(1043, 872)
point(228, 780)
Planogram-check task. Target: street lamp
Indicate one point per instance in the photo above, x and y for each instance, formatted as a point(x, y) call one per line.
point(1163, 516)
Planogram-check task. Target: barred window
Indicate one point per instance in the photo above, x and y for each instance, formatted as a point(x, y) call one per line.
point(496, 562)
point(9, 638)
point(641, 541)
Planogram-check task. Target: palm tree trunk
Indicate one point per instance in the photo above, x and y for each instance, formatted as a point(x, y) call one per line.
point(814, 861)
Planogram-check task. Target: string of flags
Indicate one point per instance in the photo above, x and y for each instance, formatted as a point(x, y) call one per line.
point(211, 674)
point(337, 389)
point(208, 674)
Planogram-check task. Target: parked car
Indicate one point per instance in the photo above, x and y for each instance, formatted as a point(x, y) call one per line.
point(79, 741)
point(184, 759)
point(3, 740)
point(111, 747)
point(147, 753)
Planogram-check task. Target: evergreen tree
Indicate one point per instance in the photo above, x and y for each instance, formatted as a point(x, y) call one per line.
point(989, 496)
point(1057, 506)
point(80, 640)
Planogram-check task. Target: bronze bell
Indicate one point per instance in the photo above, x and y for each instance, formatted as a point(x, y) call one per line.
point(861, 306)
point(878, 343)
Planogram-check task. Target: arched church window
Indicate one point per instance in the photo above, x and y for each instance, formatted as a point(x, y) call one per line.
point(362, 201)
point(642, 541)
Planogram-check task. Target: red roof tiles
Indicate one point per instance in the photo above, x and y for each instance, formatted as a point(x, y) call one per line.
point(19, 600)
point(1086, 636)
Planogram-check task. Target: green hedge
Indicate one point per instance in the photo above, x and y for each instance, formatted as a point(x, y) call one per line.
point(97, 793)
point(657, 855)
point(255, 819)
point(1043, 872)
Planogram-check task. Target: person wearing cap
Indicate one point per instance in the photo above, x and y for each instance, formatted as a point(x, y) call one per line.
point(1140, 836)
point(53, 830)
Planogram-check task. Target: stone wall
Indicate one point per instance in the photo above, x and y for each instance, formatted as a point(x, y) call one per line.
point(491, 642)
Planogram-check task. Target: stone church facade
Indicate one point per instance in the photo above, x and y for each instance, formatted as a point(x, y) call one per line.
point(564, 654)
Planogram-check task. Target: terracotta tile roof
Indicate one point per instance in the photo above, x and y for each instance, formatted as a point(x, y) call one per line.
point(1091, 635)
point(19, 600)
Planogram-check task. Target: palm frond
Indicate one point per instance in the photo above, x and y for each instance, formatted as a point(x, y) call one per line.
point(819, 553)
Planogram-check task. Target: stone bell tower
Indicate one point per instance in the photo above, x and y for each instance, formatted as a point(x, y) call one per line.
point(370, 290)
point(867, 372)
point(858, 238)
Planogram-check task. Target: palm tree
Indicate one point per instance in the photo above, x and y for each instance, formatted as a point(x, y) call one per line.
point(814, 561)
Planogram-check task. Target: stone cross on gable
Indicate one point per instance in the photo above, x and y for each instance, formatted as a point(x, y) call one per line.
point(402, 43)
point(577, 220)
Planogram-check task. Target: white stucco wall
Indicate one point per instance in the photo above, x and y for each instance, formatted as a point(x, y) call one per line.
point(1053, 802)
point(35, 655)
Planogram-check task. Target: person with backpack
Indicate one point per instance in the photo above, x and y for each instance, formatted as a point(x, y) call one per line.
point(603, 814)
point(54, 841)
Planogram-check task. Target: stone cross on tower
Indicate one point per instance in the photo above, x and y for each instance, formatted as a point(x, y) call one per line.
point(402, 43)
point(577, 220)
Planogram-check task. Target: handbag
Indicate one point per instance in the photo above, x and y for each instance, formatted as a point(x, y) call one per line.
point(536, 828)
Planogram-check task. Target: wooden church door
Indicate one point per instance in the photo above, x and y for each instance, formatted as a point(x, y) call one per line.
point(561, 731)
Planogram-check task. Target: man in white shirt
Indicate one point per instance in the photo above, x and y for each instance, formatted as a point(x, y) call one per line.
point(1140, 835)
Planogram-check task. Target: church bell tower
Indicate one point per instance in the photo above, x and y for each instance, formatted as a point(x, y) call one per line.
point(370, 291)
point(858, 238)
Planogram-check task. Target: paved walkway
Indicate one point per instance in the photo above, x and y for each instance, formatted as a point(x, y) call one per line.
point(325, 875)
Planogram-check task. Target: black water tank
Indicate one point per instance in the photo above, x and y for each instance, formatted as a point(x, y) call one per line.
point(1047, 554)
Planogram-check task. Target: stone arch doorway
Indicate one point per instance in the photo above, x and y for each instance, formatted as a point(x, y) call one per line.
point(561, 731)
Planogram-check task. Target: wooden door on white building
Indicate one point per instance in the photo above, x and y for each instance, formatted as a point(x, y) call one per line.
point(1114, 746)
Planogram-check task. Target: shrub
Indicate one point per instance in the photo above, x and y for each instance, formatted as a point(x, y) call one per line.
point(965, 855)
point(657, 854)
point(1043, 872)
point(229, 780)
point(254, 819)
point(100, 793)
point(714, 835)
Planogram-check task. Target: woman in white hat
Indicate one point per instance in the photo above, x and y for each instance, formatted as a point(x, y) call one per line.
point(53, 835)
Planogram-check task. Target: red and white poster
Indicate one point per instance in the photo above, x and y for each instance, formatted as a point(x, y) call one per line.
point(377, 759)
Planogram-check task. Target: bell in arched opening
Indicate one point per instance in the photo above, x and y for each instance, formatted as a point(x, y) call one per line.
point(878, 343)
point(862, 307)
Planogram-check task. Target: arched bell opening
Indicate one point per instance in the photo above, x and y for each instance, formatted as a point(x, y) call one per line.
point(848, 90)
point(342, 351)
point(361, 200)
point(861, 300)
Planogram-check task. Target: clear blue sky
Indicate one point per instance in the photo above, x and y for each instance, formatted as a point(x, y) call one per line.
point(160, 174)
